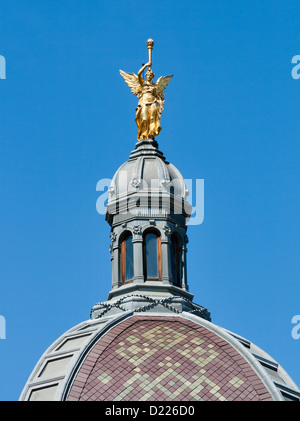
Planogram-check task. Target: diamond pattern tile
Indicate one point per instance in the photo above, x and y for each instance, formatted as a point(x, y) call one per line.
point(157, 358)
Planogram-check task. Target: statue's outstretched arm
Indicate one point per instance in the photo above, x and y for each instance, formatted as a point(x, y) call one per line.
point(141, 71)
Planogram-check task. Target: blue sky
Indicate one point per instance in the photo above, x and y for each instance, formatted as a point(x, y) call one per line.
point(67, 120)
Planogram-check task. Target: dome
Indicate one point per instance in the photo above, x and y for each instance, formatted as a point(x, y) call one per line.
point(151, 356)
point(165, 358)
point(147, 172)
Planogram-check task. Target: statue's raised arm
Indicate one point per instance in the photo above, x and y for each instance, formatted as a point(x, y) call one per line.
point(151, 98)
point(142, 69)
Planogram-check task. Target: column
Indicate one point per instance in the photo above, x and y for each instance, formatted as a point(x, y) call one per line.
point(115, 267)
point(183, 269)
point(138, 270)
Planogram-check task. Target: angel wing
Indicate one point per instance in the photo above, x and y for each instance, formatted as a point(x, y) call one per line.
point(161, 85)
point(132, 81)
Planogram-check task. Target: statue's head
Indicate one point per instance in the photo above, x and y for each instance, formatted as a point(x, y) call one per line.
point(149, 75)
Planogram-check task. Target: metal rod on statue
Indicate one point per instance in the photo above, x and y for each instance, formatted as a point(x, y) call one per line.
point(150, 45)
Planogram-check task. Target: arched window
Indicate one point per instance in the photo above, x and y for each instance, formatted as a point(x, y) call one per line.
point(175, 260)
point(126, 259)
point(152, 255)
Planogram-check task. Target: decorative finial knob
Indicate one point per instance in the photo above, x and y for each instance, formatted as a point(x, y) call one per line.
point(150, 43)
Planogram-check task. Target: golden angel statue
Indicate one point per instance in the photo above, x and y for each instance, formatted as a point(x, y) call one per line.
point(151, 98)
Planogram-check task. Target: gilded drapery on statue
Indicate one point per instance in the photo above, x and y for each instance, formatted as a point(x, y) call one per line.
point(151, 98)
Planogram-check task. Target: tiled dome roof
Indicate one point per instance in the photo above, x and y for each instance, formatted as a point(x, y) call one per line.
point(134, 356)
point(165, 358)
